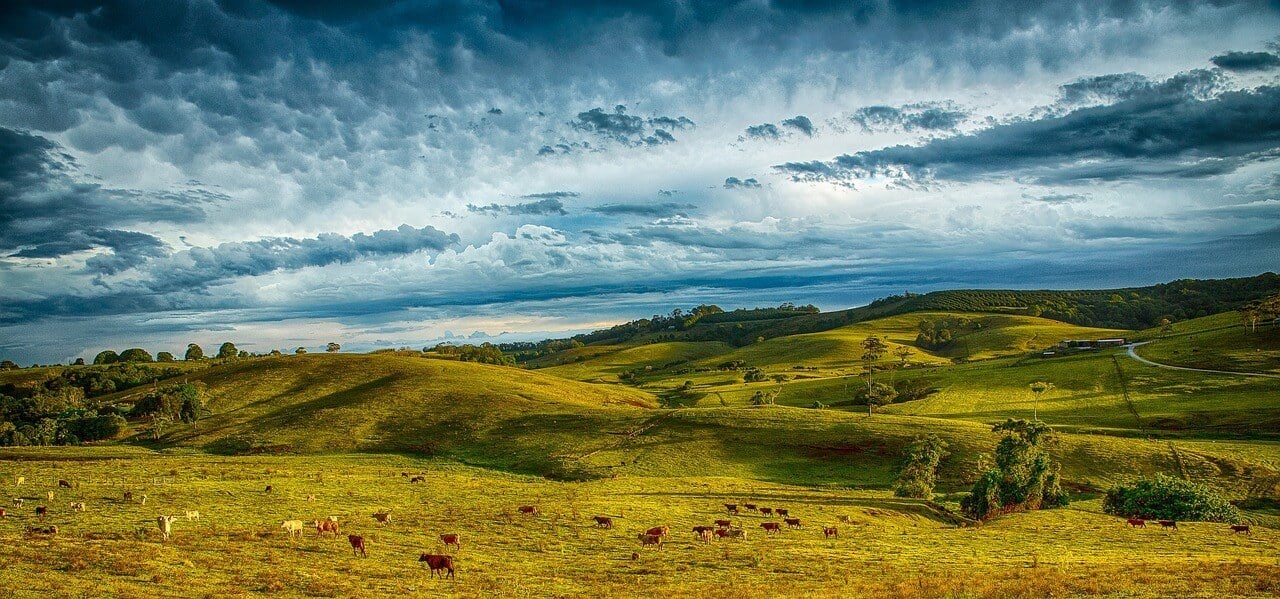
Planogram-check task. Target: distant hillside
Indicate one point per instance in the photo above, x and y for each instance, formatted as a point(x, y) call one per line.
point(1131, 308)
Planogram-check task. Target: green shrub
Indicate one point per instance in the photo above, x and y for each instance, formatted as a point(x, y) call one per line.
point(920, 473)
point(1168, 498)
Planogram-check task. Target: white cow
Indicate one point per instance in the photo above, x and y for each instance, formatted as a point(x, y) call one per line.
point(164, 523)
point(292, 527)
point(193, 515)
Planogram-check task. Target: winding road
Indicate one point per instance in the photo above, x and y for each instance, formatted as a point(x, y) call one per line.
point(1135, 356)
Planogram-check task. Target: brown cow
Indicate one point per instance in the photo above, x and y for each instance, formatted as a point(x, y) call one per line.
point(603, 521)
point(1168, 524)
point(64, 484)
point(268, 489)
point(768, 511)
point(528, 510)
point(732, 508)
point(724, 524)
point(437, 563)
point(41, 511)
point(830, 531)
point(383, 518)
point(792, 522)
point(128, 495)
point(418, 479)
point(648, 539)
point(323, 526)
point(660, 531)
point(705, 535)
point(701, 531)
point(451, 539)
point(1137, 523)
point(771, 527)
point(750, 506)
point(781, 512)
point(357, 545)
point(3, 514)
point(1236, 528)
point(722, 533)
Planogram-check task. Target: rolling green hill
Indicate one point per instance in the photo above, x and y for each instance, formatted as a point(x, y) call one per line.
point(1218, 342)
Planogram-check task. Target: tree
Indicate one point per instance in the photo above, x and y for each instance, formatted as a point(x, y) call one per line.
point(1166, 326)
point(1038, 389)
point(194, 352)
point(1023, 476)
point(106, 357)
point(920, 472)
point(8, 365)
point(135, 354)
point(1168, 498)
point(904, 353)
point(332, 347)
point(879, 394)
point(164, 356)
point(78, 362)
point(872, 349)
point(301, 350)
point(228, 350)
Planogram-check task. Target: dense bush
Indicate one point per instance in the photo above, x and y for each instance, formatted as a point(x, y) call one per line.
point(1168, 498)
point(920, 472)
point(1023, 476)
point(485, 353)
point(183, 402)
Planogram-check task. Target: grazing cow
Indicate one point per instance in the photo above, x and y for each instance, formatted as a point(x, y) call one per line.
point(528, 510)
point(721, 533)
point(3, 514)
point(732, 508)
point(418, 479)
point(165, 522)
point(660, 531)
point(77, 506)
point(830, 531)
point(737, 533)
point(771, 527)
point(323, 526)
point(750, 506)
point(383, 518)
point(698, 530)
point(781, 512)
point(603, 521)
point(648, 539)
point(451, 539)
point(792, 522)
point(1236, 528)
point(17, 502)
point(404, 474)
point(768, 511)
point(193, 515)
point(724, 524)
point(439, 563)
point(846, 519)
point(705, 535)
point(1169, 524)
point(41, 512)
point(42, 530)
point(64, 484)
point(292, 527)
point(128, 495)
point(268, 489)
point(357, 545)
point(1137, 523)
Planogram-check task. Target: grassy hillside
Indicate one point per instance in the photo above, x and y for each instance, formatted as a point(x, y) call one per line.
point(886, 546)
point(1218, 342)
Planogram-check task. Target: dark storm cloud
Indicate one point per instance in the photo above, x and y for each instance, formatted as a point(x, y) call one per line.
point(1102, 88)
point(912, 117)
point(1059, 198)
point(665, 209)
point(800, 123)
point(200, 267)
point(551, 195)
point(1169, 129)
point(763, 131)
point(736, 183)
point(47, 210)
point(1247, 61)
point(551, 205)
point(629, 129)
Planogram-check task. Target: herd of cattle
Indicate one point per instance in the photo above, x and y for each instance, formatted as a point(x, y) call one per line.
point(443, 564)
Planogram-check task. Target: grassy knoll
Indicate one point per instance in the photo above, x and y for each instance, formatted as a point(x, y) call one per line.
point(1218, 342)
point(887, 546)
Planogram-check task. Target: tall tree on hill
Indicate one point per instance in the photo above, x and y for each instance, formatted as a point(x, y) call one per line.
point(1038, 389)
point(194, 353)
point(228, 350)
point(332, 347)
point(872, 349)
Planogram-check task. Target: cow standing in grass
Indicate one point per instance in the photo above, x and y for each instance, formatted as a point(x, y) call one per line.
point(648, 539)
point(830, 531)
point(603, 521)
point(357, 545)
point(323, 526)
point(292, 527)
point(771, 527)
point(1137, 523)
point(528, 510)
point(165, 525)
point(439, 563)
point(383, 518)
point(1235, 528)
point(451, 539)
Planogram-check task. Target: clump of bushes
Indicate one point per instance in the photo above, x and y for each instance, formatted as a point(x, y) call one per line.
point(920, 472)
point(1023, 476)
point(1168, 498)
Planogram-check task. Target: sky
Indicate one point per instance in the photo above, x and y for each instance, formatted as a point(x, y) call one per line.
point(392, 173)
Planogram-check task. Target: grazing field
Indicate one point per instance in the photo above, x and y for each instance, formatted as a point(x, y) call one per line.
point(886, 546)
point(1218, 342)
